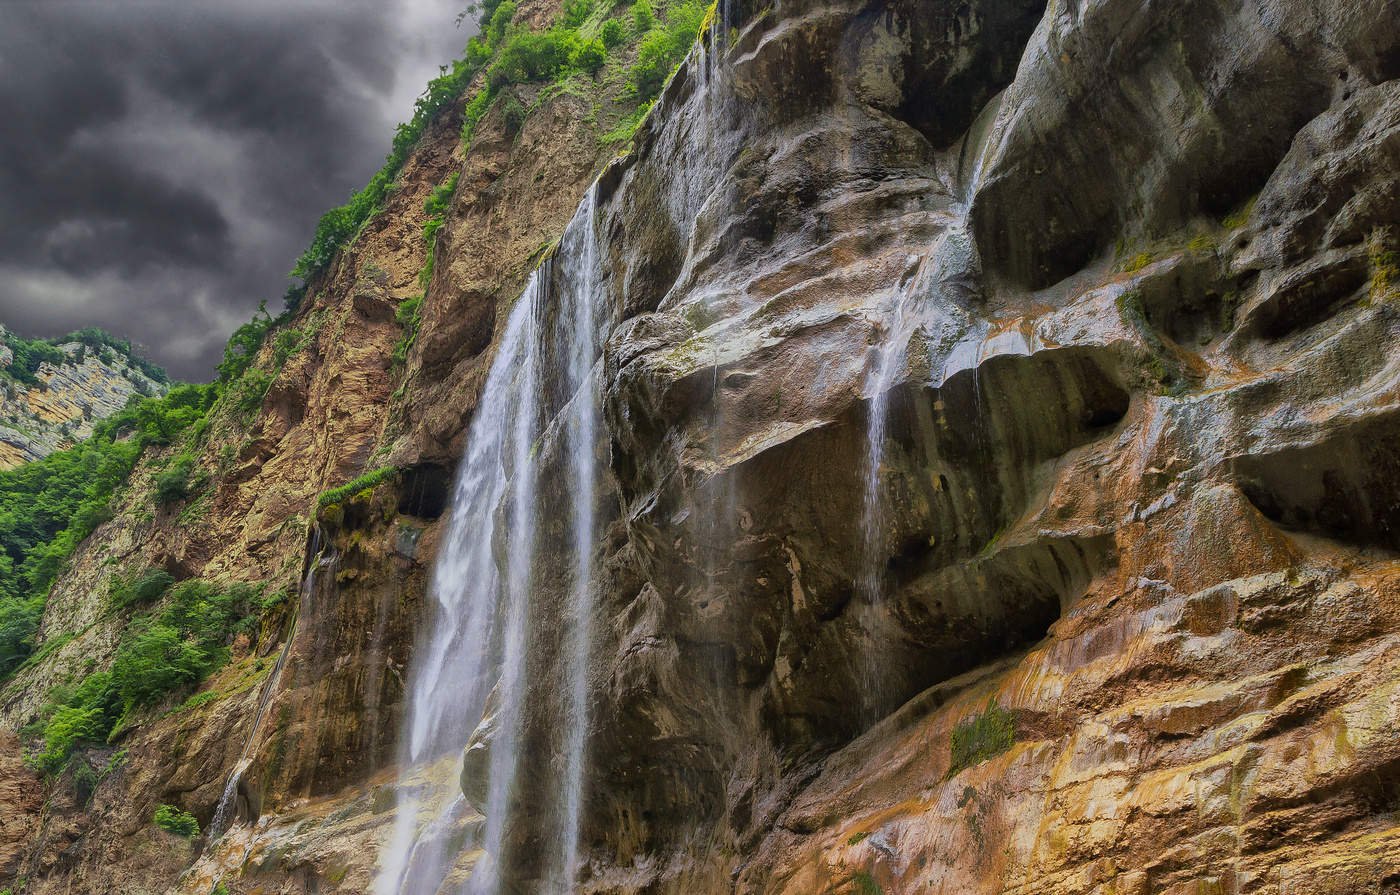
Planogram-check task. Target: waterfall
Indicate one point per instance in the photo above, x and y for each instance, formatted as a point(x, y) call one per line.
point(948, 267)
point(477, 664)
point(224, 813)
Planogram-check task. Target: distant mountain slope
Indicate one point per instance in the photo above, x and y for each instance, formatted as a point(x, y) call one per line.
point(52, 392)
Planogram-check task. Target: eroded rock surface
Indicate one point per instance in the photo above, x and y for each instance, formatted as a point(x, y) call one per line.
point(1135, 477)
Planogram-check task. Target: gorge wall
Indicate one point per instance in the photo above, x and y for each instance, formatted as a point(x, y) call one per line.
point(68, 396)
point(997, 481)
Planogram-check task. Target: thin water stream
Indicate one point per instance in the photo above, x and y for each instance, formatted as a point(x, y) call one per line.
point(224, 813)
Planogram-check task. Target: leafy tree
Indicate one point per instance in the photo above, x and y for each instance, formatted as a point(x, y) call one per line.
point(662, 49)
point(173, 485)
point(643, 19)
point(576, 12)
point(532, 56)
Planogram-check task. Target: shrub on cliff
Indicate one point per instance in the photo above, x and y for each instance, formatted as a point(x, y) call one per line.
point(663, 48)
point(590, 56)
point(173, 484)
point(532, 56)
point(173, 820)
point(612, 34)
point(160, 654)
point(143, 588)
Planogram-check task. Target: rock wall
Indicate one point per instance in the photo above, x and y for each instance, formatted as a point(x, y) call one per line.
point(68, 401)
point(1134, 489)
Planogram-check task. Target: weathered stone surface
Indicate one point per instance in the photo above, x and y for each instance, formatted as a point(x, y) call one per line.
point(1134, 392)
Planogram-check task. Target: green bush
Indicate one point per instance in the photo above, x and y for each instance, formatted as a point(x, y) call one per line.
point(173, 485)
point(149, 585)
point(407, 315)
point(513, 115)
point(981, 737)
point(356, 486)
point(288, 343)
point(590, 56)
point(576, 12)
point(173, 820)
point(643, 19)
point(662, 49)
point(532, 56)
point(246, 395)
point(613, 34)
point(499, 23)
point(242, 347)
point(440, 199)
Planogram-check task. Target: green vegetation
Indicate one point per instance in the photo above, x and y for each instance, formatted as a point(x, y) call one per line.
point(981, 737)
point(49, 506)
point(866, 885)
point(160, 654)
point(1240, 216)
point(1138, 262)
point(173, 820)
point(146, 587)
point(173, 484)
point(435, 206)
point(613, 34)
point(338, 225)
point(662, 48)
point(407, 313)
point(355, 487)
point(858, 838)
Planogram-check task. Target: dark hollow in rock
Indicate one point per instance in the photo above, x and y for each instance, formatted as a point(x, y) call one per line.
point(424, 490)
point(1310, 296)
point(1345, 485)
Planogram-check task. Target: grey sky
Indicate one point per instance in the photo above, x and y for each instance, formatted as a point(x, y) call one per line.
point(163, 162)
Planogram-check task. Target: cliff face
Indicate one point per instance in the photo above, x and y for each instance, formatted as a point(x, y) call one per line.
point(997, 480)
point(67, 399)
point(1124, 555)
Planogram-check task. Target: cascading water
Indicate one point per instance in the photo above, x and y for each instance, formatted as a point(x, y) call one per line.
point(475, 667)
point(947, 265)
point(223, 814)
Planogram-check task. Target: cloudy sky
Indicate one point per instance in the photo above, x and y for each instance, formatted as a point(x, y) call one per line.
point(163, 162)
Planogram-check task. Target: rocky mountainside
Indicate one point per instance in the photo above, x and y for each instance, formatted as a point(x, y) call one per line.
point(949, 448)
point(61, 401)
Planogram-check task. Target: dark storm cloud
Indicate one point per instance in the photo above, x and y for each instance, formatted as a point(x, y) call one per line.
point(163, 163)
